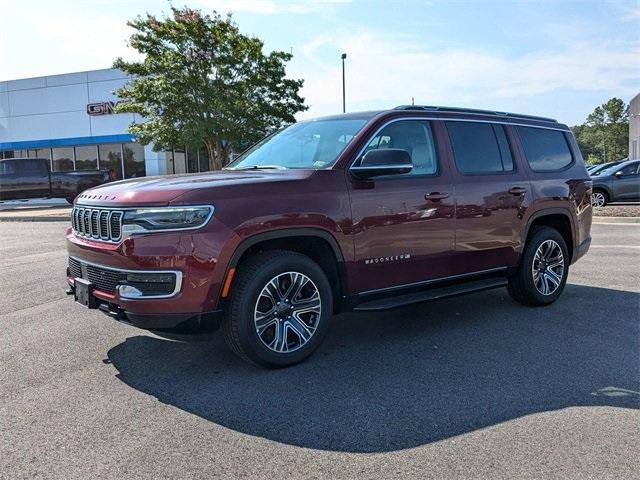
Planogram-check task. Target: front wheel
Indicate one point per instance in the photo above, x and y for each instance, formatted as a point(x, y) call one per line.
point(279, 309)
point(599, 198)
point(543, 270)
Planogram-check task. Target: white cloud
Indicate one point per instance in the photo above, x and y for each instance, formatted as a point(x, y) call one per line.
point(385, 70)
point(270, 6)
point(69, 42)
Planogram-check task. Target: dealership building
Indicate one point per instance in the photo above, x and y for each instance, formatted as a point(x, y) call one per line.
point(69, 120)
point(634, 127)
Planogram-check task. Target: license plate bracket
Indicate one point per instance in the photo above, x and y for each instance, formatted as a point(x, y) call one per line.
point(83, 293)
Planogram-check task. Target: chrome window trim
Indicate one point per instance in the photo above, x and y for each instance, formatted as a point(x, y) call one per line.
point(382, 167)
point(443, 119)
point(177, 273)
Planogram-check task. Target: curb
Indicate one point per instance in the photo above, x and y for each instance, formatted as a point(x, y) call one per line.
point(51, 218)
point(605, 220)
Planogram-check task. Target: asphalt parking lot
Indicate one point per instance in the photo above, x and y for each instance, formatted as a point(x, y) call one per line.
point(471, 387)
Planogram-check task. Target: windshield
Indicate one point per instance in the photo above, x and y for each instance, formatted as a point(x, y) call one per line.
point(313, 144)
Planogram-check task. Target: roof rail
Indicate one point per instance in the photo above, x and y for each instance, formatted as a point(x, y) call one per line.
point(432, 108)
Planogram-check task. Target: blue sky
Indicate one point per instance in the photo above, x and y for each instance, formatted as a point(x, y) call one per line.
point(552, 58)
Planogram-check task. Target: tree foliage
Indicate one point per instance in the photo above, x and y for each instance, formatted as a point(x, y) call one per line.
point(202, 82)
point(604, 136)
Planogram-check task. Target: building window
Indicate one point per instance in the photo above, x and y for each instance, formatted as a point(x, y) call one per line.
point(192, 160)
point(62, 159)
point(110, 156)
point(179, 161)
point(133, 160)
point(87, 157)
point(203, 160)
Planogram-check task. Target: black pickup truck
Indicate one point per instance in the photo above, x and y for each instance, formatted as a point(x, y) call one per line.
point(22, 178)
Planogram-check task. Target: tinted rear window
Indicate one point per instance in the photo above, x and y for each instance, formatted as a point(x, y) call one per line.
point(545, 149)
point(480, 147)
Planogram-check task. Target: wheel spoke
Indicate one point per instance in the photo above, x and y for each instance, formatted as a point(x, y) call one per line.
point(272, 291)
point(298, 281)
point(264, 321)
point(552, 277)
point(299, 328)
point(279, 343)
point(307, 304)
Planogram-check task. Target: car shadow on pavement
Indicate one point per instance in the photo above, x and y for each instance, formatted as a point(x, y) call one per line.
point(404, 378)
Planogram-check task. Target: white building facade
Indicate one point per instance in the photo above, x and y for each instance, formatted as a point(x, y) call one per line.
point(69, 120)
point(634, 127)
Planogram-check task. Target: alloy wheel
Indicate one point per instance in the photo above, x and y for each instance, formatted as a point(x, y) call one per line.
point(548, 267)
point(597, 199)
point(287, 312)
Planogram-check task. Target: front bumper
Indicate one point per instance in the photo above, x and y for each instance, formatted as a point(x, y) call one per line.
point(195, 256)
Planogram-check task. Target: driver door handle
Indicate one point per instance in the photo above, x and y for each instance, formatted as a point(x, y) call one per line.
point(517, 190)
point(436, 196)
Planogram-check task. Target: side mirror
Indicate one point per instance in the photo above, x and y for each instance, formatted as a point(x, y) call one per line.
point(386, 161)
point(619, 174)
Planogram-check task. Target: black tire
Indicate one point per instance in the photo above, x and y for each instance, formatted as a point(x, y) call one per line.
point(238, 326)
point(521, 286)
point(605, 197)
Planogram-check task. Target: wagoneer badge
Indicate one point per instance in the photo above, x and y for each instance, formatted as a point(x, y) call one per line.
point(392, 258)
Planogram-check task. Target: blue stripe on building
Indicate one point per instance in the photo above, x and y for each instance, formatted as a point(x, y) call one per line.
point(66, 142)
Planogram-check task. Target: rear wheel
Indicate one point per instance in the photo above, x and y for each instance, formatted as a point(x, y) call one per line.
point(599, 198)
point(279, 310)
point(544, 266)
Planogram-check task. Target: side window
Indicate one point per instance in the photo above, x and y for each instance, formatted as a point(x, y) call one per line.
point(33, 167)
point(414, 136)
point(630, 169)
point(7, 168)
point(480, 147)
point(545, 149)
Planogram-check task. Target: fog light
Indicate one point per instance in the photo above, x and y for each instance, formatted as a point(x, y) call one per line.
point(128, 291)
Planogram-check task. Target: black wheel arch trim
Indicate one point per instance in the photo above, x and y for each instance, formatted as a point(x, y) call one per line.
point(545, 212)
point(602, 188)
point(284, 233)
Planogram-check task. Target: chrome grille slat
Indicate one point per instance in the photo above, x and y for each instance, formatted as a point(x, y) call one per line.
point(98, 223)
point(95, 226)
point(104, 224)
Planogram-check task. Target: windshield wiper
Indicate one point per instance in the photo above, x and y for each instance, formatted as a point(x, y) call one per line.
point(260, 167)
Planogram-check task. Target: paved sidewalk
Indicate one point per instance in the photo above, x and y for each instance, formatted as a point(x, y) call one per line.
point(36, 214)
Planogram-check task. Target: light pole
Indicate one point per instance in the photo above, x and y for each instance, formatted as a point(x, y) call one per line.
point(344, 103)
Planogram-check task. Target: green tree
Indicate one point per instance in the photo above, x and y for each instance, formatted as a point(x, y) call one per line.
point(202, 82)
point(605, 134)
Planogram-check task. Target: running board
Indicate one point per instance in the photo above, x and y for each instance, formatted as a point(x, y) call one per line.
point(433, 293)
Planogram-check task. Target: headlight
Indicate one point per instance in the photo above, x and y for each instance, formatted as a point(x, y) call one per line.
point(165, 218)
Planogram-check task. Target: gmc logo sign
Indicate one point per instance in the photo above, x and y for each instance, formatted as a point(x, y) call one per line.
point(101, 108)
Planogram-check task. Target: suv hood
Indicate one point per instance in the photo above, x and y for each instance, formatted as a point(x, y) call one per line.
point(162, 190)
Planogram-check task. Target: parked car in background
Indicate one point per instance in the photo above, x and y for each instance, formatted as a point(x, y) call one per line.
point(363, 212)
point(23, 178)
point(596, 169)
point(620, 182)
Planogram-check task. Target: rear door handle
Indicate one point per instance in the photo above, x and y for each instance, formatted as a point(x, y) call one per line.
point(436, 196)
point(517, 190)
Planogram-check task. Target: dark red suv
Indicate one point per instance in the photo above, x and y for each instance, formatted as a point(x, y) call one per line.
point(363, 211)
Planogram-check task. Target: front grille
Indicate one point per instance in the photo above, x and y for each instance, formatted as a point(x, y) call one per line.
point(98, 223)
point(102, 278)
point(107, 279)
